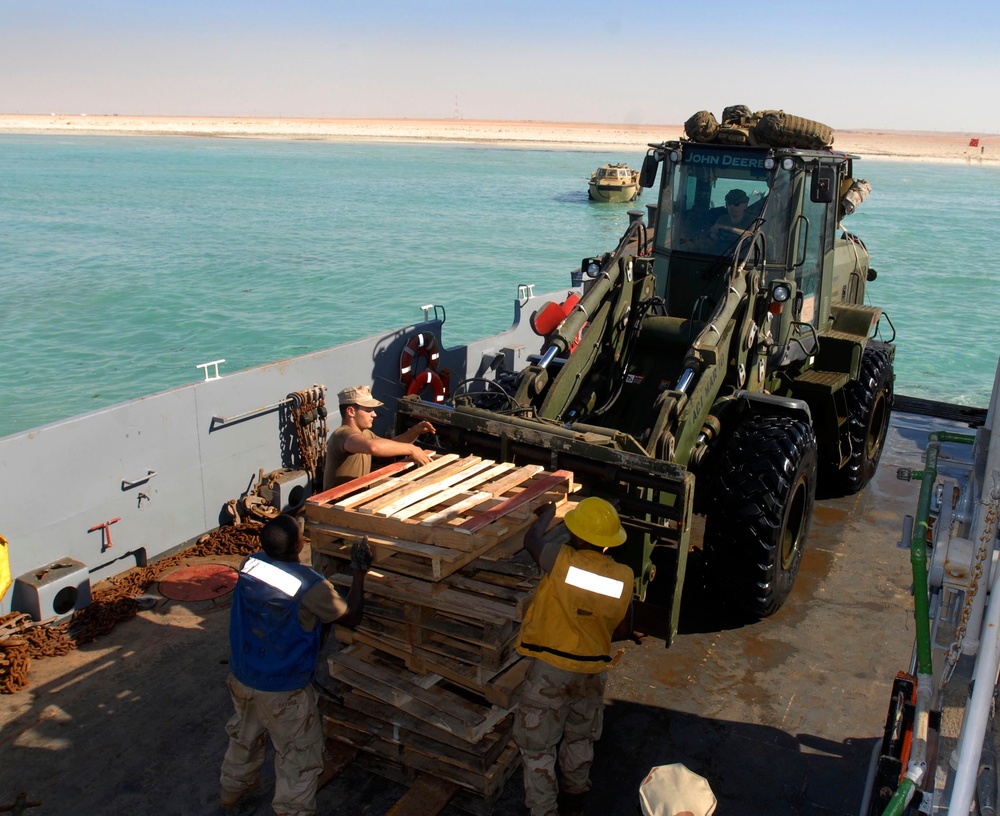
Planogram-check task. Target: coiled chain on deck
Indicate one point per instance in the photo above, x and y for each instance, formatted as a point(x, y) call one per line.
point(982, 553)
point(112, 601)
point(309, 415)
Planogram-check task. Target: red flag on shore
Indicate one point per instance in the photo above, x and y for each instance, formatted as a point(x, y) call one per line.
point(973, 142)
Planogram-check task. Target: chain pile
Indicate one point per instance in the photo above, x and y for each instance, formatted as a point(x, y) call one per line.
point(22, 640)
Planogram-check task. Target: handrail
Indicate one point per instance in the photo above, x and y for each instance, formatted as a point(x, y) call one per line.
point(917, 766)
point(128, 485)
point(215, 364)
point(221, 422)
point(439, 313)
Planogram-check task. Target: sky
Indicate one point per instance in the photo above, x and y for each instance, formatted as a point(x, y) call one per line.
point(859, 64)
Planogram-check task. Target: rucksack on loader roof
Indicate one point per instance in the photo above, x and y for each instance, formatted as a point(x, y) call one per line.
point(766, 128)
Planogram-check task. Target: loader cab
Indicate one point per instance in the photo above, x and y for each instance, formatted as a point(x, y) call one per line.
point(787, 226)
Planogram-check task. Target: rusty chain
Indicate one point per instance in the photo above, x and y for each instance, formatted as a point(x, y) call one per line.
point(112, 601)
point(309, 417)
point(22, 640)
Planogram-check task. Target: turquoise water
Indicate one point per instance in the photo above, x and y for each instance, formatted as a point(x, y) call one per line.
point(125, 262)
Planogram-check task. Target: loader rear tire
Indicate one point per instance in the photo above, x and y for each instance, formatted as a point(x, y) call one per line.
point(760, 508)
point(869, 403)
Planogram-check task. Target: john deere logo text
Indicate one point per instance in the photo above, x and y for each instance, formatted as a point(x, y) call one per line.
point(726, 160)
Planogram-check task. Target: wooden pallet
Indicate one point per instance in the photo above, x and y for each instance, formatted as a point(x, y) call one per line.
point(426, 697)
point(431, 521)
point(463, 628)
point(429, 785)
point(418, 724)
point(497, 687)
point(361, 713)
point(396, 555)
point(436, 636)
point(426, 794)
point(428, 679)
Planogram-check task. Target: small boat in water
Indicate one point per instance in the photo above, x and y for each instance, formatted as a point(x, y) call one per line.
point(614, 183)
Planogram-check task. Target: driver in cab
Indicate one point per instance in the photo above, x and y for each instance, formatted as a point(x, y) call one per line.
point(735, 220)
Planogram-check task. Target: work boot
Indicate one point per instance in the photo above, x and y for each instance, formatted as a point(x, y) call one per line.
point(571, 804)
point(230, 799)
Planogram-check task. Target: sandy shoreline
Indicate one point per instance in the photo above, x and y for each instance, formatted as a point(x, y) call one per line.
point(883, 144)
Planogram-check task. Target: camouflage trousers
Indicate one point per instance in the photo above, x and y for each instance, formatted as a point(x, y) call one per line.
point(291, 719)
point(559, 716)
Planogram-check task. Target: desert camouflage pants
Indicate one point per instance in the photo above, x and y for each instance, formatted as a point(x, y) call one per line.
point(292, 720)
point(559, 715)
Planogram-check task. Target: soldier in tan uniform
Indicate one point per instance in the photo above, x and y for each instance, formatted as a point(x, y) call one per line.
point(583, 602)
point(350, 448)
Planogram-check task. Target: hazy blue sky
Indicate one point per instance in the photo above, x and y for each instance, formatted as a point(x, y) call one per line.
point(868, 64)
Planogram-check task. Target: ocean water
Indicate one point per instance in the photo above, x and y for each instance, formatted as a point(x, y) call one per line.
point(125, 262)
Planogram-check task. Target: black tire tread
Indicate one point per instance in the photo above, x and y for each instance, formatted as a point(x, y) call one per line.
point(875, 379)
point(744, 525)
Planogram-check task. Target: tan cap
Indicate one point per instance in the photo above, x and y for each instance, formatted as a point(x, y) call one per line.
point(673, 790)
point(358, 395)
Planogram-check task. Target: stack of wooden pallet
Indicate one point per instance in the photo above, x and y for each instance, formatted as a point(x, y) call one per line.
point(428, 679)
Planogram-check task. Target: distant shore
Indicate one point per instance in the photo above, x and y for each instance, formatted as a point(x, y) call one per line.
point(883, 144)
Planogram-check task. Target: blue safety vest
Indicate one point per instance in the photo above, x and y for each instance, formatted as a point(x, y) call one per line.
point(270, 651)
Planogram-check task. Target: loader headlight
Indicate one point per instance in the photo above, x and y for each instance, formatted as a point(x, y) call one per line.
point(593, 269)
point(780, 292)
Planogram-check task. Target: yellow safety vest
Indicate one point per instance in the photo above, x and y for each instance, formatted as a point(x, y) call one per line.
point(575, 610)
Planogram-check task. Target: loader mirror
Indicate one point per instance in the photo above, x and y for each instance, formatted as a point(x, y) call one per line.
point(648, 173)
point(824, 185)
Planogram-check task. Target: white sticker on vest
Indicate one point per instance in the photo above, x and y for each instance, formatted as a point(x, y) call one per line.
point(593, 582)
point(272, 576)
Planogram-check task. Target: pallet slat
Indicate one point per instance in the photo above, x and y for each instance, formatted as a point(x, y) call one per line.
point(400, 688)
point(435, 506)
point(396, 555)
point(538, 488)
point(437, 490)
point(429, 482)
point(464, 486)
point(375, 476)
point(386, 485)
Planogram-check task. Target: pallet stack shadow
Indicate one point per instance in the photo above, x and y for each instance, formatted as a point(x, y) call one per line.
point(429, 676)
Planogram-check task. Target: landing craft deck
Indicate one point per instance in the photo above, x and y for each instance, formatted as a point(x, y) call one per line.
point(779, 715)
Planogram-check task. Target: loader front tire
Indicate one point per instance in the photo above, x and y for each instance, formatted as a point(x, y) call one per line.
point(759, 511)
point(869, 403)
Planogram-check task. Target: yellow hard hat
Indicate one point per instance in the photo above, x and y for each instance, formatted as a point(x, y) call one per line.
point(596, 522)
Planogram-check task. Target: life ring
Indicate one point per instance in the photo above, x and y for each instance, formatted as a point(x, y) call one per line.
point(428, 377)
point(421, 344)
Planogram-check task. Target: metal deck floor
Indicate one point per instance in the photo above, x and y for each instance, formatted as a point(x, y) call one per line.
point(779, 715)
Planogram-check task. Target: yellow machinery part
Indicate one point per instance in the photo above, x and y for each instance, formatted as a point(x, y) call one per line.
point(5, 580)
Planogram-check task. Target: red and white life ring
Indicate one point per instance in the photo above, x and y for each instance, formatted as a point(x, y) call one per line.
point(421, 344)
point(428, 377)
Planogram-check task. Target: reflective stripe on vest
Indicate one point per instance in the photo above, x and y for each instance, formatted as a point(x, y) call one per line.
point(592, 582)
point(273, 576)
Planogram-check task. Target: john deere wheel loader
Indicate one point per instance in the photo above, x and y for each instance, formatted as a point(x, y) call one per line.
point(718, 363)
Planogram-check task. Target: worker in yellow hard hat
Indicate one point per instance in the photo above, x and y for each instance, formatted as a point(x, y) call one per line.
point(584, 601)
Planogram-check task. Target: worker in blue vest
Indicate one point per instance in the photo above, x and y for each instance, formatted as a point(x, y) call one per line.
point(583, 602)
point(274, 638)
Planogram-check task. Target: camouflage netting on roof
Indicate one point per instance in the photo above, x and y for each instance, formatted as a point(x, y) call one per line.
point(766, 128)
